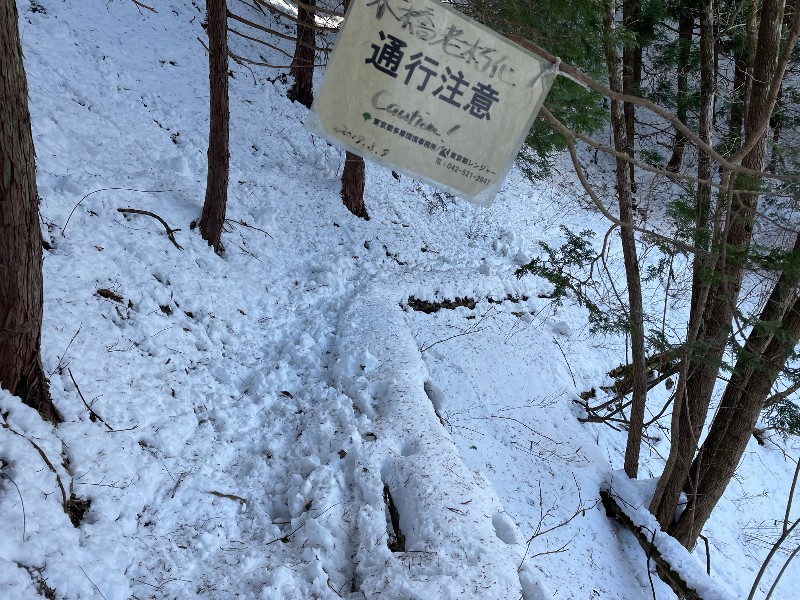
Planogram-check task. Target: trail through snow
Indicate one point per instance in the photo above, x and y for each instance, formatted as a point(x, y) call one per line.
point(278, 414)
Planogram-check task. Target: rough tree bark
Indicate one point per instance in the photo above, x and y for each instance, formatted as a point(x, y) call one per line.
point(776, 124)
point(631, 78)
point(685, 33)
point(302, 68)
point(717, 313)
point(213, 217)
point(683, 446)
point(756, 370)
point(21, 298)
point(632, 275)
point(353, 185)
point(738, 96)
point(708, 70)
point(353, 178)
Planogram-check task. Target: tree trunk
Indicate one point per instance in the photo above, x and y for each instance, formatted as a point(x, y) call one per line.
point(632, 275)
point(708, 71)
point(631, 78)
point(213, 216)
point(717, 313)
point(685, 33)
point(776, 124)
point(757, 368)
point(353, 178)
point(353, 185)
point(302, 69)
point(738, 96)
point(752, 41)
point(21, 298)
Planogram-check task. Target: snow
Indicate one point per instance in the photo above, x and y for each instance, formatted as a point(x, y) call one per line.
point(632, 502)
point(257, 405)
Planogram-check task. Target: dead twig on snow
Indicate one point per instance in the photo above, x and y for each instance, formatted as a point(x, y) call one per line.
point(244, 224)
point(24, 520)
point(228, 496)
point(170, 231)
point(46, 460)
point(93, 416)
point(120, 189)
point(151, 9)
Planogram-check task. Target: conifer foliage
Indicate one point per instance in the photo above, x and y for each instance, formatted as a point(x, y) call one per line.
point(722, 68)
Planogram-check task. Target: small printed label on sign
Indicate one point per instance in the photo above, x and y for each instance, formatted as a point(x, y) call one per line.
point(424, 90)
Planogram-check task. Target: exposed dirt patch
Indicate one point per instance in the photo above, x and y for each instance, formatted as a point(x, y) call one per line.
point(430, 307)
point(396, 541)
point(76, 509)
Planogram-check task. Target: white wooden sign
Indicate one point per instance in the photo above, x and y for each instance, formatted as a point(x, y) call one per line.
point(424, 90)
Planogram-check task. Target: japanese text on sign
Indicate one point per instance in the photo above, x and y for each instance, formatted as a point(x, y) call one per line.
point(422, 89)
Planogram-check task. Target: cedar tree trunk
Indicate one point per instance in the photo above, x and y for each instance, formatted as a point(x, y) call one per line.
point(21, 369)
point(213, 216)
point(631, 78)
point(353, 185)
point(717, 313)
point(776, 124)
point(765, 352)
point(353, 178)
point(302, 69)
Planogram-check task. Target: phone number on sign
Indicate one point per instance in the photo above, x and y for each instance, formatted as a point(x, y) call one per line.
point(456, 168)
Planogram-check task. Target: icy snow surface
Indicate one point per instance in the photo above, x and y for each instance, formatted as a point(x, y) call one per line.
point(264, 406)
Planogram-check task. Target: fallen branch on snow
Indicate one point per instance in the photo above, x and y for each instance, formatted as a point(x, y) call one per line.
point(170, 230)
point(665, 571)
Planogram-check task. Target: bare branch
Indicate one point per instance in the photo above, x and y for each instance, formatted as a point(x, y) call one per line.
point(583, 79)
point(273, 32)
point(46, 461)
point(170, 231)
point(293, 19)
point(323, 11)
point(258, 41)
point(569, 135)
point(244, 224)
point(144, 6)
point(74, 208)
point(92, 415)
point(775, 398)
point(256, 63)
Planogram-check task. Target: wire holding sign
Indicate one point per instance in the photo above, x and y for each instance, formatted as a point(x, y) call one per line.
point(421, 89)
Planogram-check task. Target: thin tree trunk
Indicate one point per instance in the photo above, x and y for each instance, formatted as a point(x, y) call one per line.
point(776, 124)
point(632, 274)
point(631, 79)
point(302, 69)
point(752, 42)
point(213, 216)
point(665, 499)
point(715, 324)
point(738, 95)
point(21, 297)
point(685, 33)
point(756, 370)
point(708, 85)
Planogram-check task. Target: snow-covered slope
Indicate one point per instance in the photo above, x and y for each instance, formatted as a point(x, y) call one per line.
point(277, 418)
